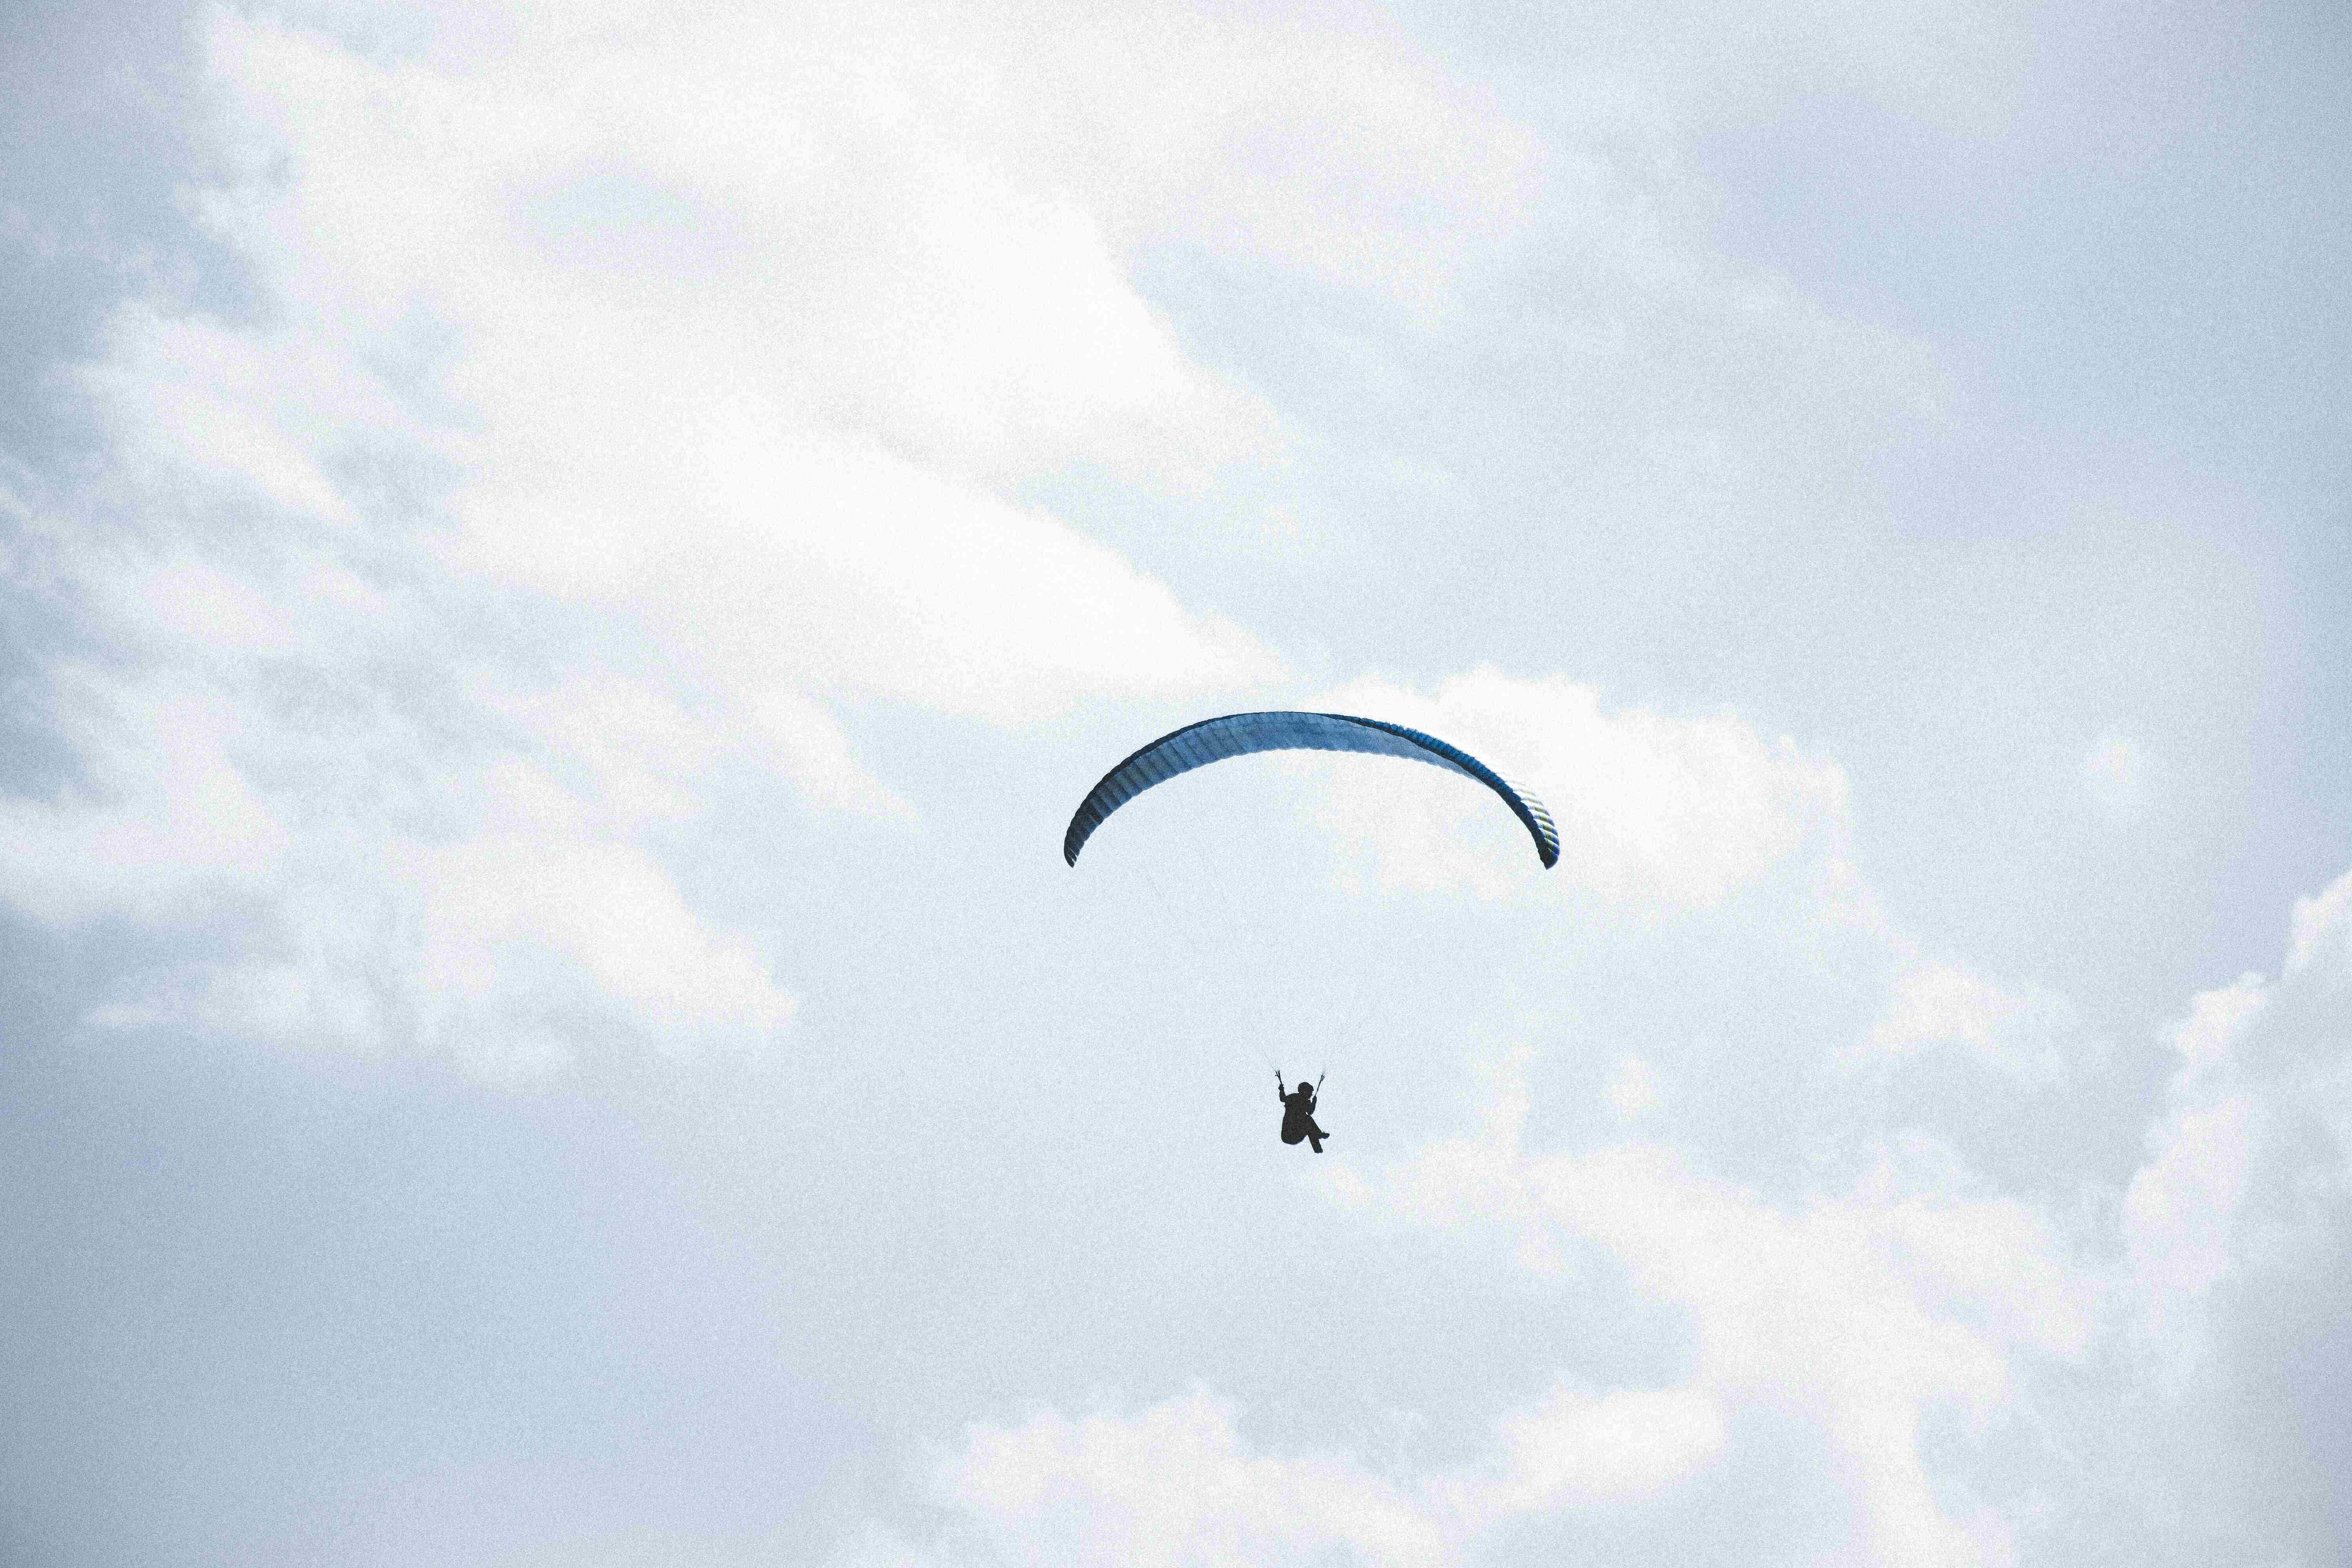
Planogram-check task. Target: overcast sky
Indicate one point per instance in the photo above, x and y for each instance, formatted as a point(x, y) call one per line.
point(565, 565)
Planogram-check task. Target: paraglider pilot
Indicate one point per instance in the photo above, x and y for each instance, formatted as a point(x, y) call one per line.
point(1299, 1113)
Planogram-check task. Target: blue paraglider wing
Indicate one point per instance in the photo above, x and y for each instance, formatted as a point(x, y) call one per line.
point(1240, 734)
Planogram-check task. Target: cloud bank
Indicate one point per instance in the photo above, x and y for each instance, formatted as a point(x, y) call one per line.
point(600, 413)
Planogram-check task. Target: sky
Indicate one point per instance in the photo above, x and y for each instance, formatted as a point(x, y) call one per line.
point(564, 567)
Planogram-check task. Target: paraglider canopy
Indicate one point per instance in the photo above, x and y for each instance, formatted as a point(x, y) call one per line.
point(1242, 734)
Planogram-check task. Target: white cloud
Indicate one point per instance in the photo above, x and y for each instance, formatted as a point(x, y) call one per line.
point(163, 816)
point(1175, 1484)
point(465, 902)
point(1958, 1352)
point(617, 402)
point(763, 557)
point(1178, 1483)
point(1864, 1311)
point(1327, 147)
point(2248, 1180)
point(1865, 1314)
point(1659, 814)
point(1940, 1002)
point(1654, 812)
point(815, 753)
point(751, 440)
point(2319, 942)
point(1580, 1446)
point(721, 348)
point(491, 902)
